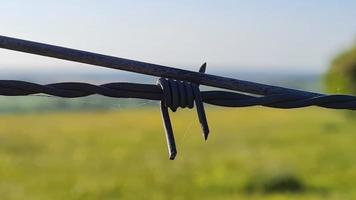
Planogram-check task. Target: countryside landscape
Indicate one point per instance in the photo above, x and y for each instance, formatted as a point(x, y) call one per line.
point(61, 140)
point(253, 153)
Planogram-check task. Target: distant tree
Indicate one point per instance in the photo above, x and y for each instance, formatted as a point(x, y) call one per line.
point(341, 77)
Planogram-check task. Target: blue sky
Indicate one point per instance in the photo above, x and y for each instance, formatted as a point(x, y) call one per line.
point(235, 35)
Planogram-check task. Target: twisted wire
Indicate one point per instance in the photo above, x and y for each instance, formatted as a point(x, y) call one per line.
point(184, 90)
point(176, 94)
point(180, 94)
point(154, 92)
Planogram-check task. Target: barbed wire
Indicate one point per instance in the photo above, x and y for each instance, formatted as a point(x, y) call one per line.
point(176, 88)
point(175, 94)
point(154, 92)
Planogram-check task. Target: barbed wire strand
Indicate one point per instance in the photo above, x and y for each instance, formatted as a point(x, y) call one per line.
point(154, 92)
point(179, 93)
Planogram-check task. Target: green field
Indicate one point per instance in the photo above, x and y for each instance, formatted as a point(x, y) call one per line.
point(252, 153)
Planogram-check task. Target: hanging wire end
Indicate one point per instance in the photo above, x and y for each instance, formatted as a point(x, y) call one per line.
point(200, 106)
point(206, 133)
point(171, 144)
point(202, 68)
point(172, 155)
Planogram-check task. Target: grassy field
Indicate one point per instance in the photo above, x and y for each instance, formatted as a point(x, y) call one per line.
point(252, 153)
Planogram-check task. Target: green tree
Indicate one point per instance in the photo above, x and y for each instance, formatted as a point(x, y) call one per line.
point(341, 77)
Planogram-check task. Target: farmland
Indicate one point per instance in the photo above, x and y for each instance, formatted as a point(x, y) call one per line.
point(252, 153)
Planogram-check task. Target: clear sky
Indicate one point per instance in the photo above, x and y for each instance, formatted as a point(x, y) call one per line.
point(236, 35)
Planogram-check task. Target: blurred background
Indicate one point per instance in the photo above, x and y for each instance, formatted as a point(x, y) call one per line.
point(104, 148)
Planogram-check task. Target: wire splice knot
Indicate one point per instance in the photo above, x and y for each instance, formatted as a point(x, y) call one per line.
point(180, 94)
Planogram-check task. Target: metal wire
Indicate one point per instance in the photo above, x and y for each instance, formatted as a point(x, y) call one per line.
point(154, 92)
point(143, 67)
point(174, 94)
point(181, 92)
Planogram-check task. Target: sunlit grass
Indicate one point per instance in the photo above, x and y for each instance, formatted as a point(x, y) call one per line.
point(123, 154)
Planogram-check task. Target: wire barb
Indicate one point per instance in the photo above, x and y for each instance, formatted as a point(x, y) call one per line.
point(200, 107)
point(180, 94)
